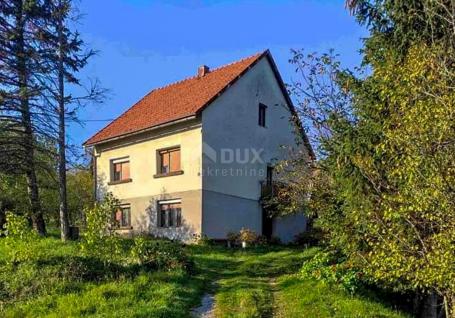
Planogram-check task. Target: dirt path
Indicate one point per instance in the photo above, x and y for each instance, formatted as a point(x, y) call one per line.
point(245, 281)
point(206, 309)
point(274, 290)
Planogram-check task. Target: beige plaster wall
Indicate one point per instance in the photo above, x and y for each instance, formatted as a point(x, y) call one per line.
point(141, 150)
point(144, 191)
point(144, 212)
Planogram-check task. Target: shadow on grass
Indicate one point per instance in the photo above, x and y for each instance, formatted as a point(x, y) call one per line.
point(243, 276)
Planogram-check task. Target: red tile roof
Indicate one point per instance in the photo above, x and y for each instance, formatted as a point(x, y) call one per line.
point(175, 101)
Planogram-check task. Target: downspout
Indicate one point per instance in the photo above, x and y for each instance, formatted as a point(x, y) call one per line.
point(95, 178)
point(95, 174)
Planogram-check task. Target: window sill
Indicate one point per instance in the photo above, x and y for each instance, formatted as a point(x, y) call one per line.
point(124, 228)
point(170, 174)
point(120, 181)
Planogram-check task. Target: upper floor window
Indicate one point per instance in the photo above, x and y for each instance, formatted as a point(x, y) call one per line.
point(168, 162)
point(262, 113)
point(120, 170)
point(269, 179)
point(122, 217)
point(170, 213)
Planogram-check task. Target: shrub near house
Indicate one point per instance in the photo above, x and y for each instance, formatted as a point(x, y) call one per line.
point(42, 276)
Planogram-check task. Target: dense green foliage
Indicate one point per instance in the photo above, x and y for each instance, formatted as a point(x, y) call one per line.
point(383, 189)
point(99, 238)
point(333, 269)
point(160, 254)
point(14, 197)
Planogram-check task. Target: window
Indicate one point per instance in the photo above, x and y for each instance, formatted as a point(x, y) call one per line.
point(120, 170)
point(122, 217)
point(269, 176)
point(262, 112)
point(168, 162)
point(169, 214)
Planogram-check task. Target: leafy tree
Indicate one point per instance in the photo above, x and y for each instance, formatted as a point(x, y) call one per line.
point(410, 172)
point(80, 193)
point(384, 184)
point(99, 237)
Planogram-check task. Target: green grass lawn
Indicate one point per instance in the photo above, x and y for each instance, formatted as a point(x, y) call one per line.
point(59, 285)
point(262, 282)
point(257, 282)
point(303, 298)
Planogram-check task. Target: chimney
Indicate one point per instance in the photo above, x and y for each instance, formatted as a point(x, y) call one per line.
point(203, 70)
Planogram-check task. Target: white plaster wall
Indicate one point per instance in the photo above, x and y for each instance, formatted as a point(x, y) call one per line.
point(224, 213)
point(287, 227)
point(232, 122)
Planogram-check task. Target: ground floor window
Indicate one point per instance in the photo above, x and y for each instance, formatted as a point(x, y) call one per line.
point(170, 213)
point(122, 217)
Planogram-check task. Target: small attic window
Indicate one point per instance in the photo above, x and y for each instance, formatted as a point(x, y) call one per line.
point(262, 113)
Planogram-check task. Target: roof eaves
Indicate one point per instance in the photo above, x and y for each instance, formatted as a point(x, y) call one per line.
point(161, 125)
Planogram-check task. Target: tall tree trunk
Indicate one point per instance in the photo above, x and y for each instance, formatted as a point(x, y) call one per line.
point(28, 140)
point(64, 222)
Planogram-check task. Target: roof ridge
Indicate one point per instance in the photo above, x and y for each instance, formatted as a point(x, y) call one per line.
point(194, 77)
point(238, 61)
point(211, 71)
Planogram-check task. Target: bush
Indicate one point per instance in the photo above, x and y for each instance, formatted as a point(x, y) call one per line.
point(160, 254)
point(19, 239)
point(261, 240)
point(202, 240)
point(232, 237)
point(50, 274)
point(248, 236)
point(99, 238)
point(275, 241)
point(312, 237)
point(329, 267)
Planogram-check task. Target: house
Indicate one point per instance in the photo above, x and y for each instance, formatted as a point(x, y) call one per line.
point(192, 157)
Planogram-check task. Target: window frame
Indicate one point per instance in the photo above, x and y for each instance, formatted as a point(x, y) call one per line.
point(269, 175)
point(112, 164)
point(119, 225)
point(262, 115)
point(171, 220)
point(159, 161)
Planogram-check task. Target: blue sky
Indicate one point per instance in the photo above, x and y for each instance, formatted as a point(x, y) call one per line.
point(146, 44)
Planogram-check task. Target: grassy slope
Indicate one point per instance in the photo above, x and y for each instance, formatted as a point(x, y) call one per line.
point(262, 282)
point(303, 298)
point(42, 289)
point(252, 283)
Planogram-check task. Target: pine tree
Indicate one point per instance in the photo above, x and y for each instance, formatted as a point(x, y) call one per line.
point(18, 93)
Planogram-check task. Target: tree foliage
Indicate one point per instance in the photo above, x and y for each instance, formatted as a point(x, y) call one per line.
point(41, 54)
point(383, 187)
